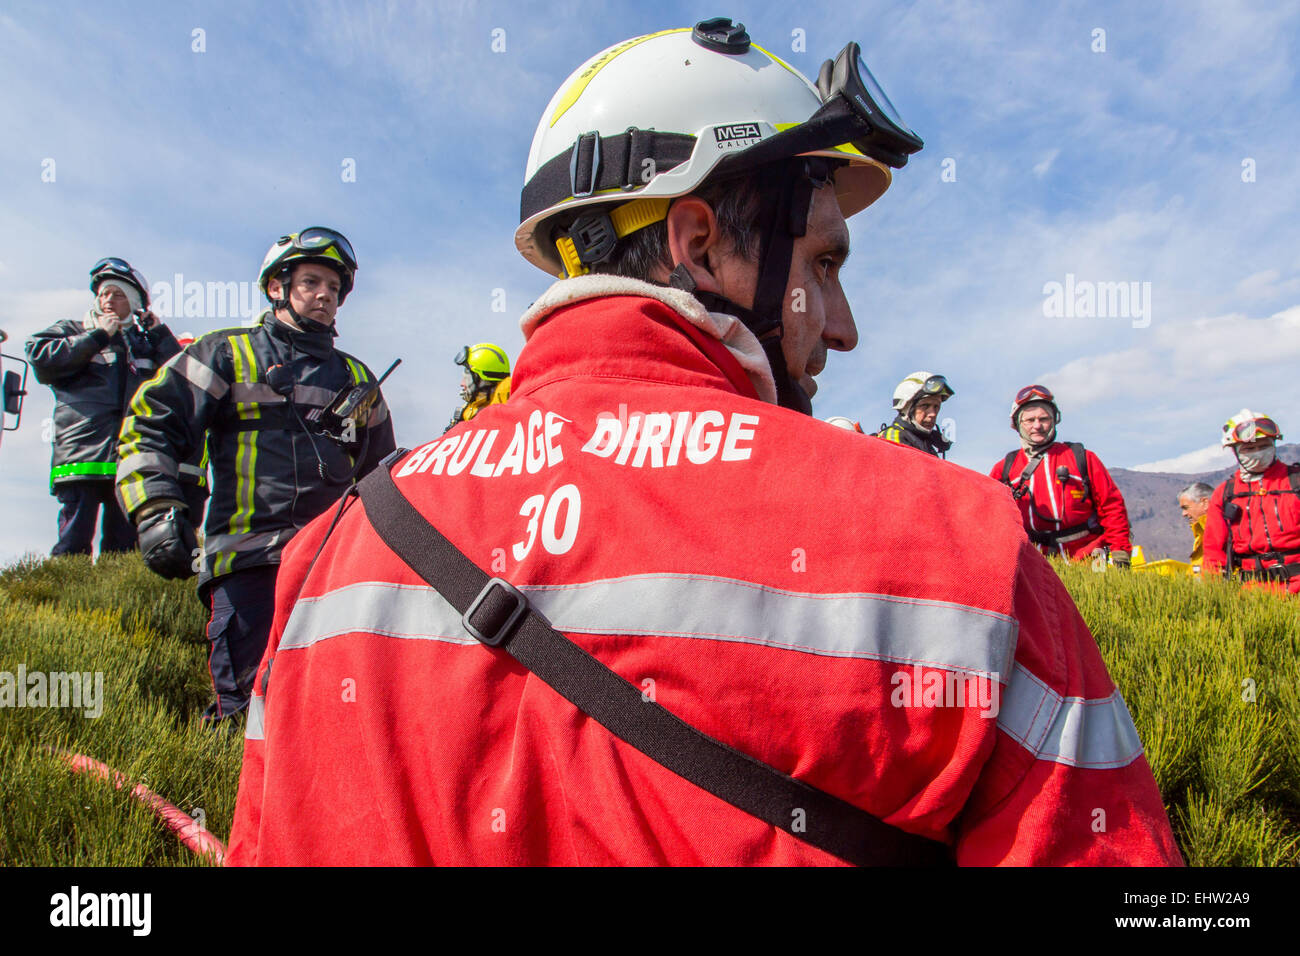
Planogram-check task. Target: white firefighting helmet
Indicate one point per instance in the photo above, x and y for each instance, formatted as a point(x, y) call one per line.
point(920, 385)
point(652, 117)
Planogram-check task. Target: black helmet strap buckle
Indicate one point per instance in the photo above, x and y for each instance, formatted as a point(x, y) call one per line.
point(594, 236)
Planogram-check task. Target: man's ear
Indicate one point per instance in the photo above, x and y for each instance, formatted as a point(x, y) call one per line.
point(694, 240)
point(273, 288)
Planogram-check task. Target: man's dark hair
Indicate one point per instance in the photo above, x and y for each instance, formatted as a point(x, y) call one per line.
point(736, 202)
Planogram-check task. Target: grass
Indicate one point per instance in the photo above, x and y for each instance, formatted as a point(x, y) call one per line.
point(1187, 655)
point(146, 636)
point(1210, 674)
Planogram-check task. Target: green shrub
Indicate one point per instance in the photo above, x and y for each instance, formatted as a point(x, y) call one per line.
point(1188, 657)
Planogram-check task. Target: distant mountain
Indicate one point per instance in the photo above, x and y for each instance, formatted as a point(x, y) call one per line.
point(1152, 500)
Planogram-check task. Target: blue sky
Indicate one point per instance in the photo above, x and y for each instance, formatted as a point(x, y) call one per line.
point(1122, 165)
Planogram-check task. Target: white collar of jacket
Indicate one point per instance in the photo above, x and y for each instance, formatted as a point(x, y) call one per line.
point(727, 329)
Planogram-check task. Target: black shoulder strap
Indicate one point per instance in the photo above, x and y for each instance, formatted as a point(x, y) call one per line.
point(499, 616)
point(1081, 462)
point(1006, 466)
point(1293, 473)
point(1231, 512)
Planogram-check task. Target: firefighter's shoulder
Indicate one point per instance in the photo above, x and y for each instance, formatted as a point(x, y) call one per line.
point(892, 478)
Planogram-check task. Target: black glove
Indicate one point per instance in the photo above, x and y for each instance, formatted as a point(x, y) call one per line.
point(167, 543)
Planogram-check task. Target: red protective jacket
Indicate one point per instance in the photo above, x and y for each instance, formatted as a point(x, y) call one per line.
point(771, 579)
point(1269, 521)
point(1054, 505)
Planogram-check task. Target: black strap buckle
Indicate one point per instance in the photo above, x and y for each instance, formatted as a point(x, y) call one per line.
point(593, 237)
point(498, 621)
point(592, 156)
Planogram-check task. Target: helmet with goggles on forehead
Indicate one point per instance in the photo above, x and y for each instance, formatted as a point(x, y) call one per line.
point(1247, 426)
point(660, 116)
point(1029, 395)
point(921, 385)
point(316, 244)
point(116, 268)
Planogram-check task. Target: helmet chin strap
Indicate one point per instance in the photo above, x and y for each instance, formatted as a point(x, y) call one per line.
point(790, 182)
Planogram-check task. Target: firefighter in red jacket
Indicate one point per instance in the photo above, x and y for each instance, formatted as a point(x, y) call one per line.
point(1068, 502)
point(647, 490)
point(1252, 526)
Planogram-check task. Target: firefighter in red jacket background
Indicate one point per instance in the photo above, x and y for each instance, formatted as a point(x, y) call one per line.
point(647, 490)
point(1252, 526)
point(1068, 502)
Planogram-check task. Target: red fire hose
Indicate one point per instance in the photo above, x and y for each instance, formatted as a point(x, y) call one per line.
point(177, 820)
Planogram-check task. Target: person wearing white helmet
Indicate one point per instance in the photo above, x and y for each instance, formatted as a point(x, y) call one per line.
point(260, 398)
point(1252, 526)
point(640, 614)
point(848, 424)
point(917, 401)
point(94, 365)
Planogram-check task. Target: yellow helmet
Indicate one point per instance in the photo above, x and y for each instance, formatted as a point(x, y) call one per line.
point(485, 360)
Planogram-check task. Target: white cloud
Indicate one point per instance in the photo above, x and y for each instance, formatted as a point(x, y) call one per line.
point(1210, 458)
point(1041, 168)
point(1267, 284)
point(1216, 354)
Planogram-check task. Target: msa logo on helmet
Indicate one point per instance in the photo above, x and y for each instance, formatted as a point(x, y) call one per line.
point(736, 135)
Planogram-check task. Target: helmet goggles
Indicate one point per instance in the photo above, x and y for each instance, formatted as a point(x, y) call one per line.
point(936, 385)
point(854, 110)
point(1031, 393)
point(113, 266)
point(318, 240)
point(1253, 429)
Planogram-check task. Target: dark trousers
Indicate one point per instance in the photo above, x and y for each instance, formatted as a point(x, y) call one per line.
point(242, 605)
point(80, 503)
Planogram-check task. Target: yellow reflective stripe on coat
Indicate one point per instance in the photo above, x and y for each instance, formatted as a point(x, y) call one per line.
point(132, 485)
point(245, 367)
point(358, 370)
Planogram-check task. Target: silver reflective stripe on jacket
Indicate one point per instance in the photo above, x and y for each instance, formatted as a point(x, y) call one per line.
point(868, 626)
point(255, 718)
point(199, 375)
point(148, 459)
point(1096, 734)
point(974, 641)
point(312, 395)
point(215, 543)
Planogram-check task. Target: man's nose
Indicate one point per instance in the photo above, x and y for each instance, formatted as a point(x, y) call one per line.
point(841, 332)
